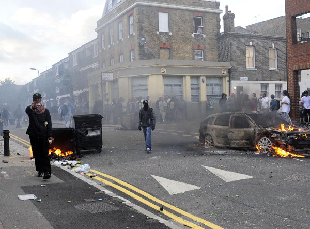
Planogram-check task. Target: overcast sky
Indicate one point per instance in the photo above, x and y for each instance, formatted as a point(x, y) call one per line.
point(39, 33)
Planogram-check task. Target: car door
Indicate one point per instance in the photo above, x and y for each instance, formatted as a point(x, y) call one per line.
point(219, 130)
point(241, 131)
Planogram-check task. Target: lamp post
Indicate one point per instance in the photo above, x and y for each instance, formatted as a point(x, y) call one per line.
point(35, 70)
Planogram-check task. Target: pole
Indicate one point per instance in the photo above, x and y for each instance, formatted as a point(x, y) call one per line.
point(6, 136)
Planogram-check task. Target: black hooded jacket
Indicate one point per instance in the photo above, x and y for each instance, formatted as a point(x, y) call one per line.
point(40, 125)
point(147, 118)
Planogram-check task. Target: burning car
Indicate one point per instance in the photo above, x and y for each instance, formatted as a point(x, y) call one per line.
point(266, 132)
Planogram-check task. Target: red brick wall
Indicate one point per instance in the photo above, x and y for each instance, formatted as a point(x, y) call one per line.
point(298, 55)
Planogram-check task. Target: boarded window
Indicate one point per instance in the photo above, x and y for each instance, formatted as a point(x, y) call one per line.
point(164, 53)
point(173, 86)
point(163, 22)
point(272, 58)
point(222, 120)
point(195, 89)
point(139, 87)
point(250, 57)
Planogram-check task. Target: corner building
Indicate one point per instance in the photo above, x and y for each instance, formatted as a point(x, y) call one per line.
point(157, 49)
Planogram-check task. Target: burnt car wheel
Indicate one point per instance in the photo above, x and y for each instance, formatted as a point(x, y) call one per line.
point(264, 144)
point(208, 141)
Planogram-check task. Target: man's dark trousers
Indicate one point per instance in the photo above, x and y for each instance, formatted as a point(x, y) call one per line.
point(40, 153)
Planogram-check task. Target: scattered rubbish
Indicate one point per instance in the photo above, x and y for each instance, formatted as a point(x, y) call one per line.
point(132, 216)
point(5, 161)
point(92, 175)
point(245, 213)
point(27, 197)
point(69, 201)
point(39, 200)
point(237, 195)
point(227, 195)
point(89, 200)
point(84, 168)
point(161, 208)
point(43, 185)
point(100, 199)
point(18, 153)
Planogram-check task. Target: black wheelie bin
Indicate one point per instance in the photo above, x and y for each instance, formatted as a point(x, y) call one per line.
point(88, 132)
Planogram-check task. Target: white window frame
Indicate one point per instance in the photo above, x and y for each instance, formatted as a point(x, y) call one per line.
point(198, 57)
point(96, 51)
point(199, 27)
point(267, 88)
point(120, 30)
point(278, 93)
point(112, 62)
point(132, 55)
point(102, 41)
point(74, 59)
point(103, 65)
point(275, 59)
point(163, 20)
point(131, 24)
point(121, 58)
point(111, 32)
point(249, 58)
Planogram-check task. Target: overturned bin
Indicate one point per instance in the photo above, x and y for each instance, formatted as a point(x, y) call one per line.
point(88, 132)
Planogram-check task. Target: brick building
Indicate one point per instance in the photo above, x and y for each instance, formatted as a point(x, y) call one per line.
point(298, 50)
point(160, 48)
point(257, 56)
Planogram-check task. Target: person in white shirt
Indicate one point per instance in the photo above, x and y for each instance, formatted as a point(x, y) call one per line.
point(285, 103)
point(305, 103)
point(264, 101)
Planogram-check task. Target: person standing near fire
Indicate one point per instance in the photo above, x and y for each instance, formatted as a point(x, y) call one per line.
point(40, 135)
point(285, 103)
point(147, 122)
point(305, 103)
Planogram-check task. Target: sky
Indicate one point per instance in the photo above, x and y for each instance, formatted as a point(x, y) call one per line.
point(39, 33)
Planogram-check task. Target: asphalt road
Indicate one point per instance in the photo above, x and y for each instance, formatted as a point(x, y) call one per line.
point(229, 188)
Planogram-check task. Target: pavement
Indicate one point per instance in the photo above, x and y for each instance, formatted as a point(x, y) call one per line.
point(67, 200)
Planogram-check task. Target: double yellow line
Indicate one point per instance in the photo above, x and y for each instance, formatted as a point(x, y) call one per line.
point(24, 142)
point(154, 199)
point(161, 207)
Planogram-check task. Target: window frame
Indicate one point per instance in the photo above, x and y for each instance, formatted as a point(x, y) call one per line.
point(121, 57)
point(111, 32)
point(198, 26)
point(267, 88)
point(103, 64)
point(131, 24)
point(201, 58)
point(165, 28)
point(102, 41)
point(96, 49)
point(112, 61)
point(120, 31)
point(275, 59)
point(278, 92)
point(253, 57)
point(132, 55)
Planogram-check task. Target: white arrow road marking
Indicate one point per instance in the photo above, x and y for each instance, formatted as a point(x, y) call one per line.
point(174, 187)
point(226, 175)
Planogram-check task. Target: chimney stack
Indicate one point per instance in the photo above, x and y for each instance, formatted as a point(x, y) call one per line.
point(229, 21)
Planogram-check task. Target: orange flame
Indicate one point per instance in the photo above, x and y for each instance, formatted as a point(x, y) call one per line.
point(284, 129)
point(58, 152)
point(30, 152)
point(282, 153)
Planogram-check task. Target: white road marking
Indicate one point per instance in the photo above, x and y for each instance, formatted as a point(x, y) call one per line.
point(174, 187)
point(186, 135)
point(226, 175)
point(174, 133)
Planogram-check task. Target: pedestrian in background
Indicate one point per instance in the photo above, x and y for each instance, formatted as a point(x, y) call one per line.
point(40, 135)
point(254, 102)
point(5, 116)
point(264, 103)
point(223, 102)
point(285, 103)
point(147, 122)
point(231, 102)
point(305, 102)
point(210, 106)
point(273, 104)
point(18, 114)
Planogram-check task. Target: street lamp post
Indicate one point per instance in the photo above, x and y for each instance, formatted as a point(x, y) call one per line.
point(35, 70)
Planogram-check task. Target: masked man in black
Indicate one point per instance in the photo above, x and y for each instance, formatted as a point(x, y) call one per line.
point(147, 122)
point(40, 134)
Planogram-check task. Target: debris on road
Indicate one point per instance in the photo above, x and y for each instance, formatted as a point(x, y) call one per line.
point(27, 197)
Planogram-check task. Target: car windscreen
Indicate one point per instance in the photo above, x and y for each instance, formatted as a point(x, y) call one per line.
point(268, 120)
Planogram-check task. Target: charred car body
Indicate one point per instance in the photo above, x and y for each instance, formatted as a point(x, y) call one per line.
point(267, 132)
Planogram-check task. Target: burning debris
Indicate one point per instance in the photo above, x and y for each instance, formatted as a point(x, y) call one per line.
point(57, 154)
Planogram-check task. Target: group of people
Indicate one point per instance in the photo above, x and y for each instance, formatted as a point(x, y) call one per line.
point(263, 104)
point(304, 104)
point(6, 115)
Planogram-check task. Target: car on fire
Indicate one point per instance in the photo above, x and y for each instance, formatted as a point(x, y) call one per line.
point(266, 132)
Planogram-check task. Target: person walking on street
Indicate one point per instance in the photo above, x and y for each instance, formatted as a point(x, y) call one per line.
point(147, 122)
point(5, 116)
point(285, 103)
point(40, 135)
point(65, 113)
point(162, 108)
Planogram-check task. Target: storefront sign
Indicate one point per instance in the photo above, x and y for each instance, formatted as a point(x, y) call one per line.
point(107, 76)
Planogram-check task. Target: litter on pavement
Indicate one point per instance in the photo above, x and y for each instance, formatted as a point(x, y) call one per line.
point(27, 197)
